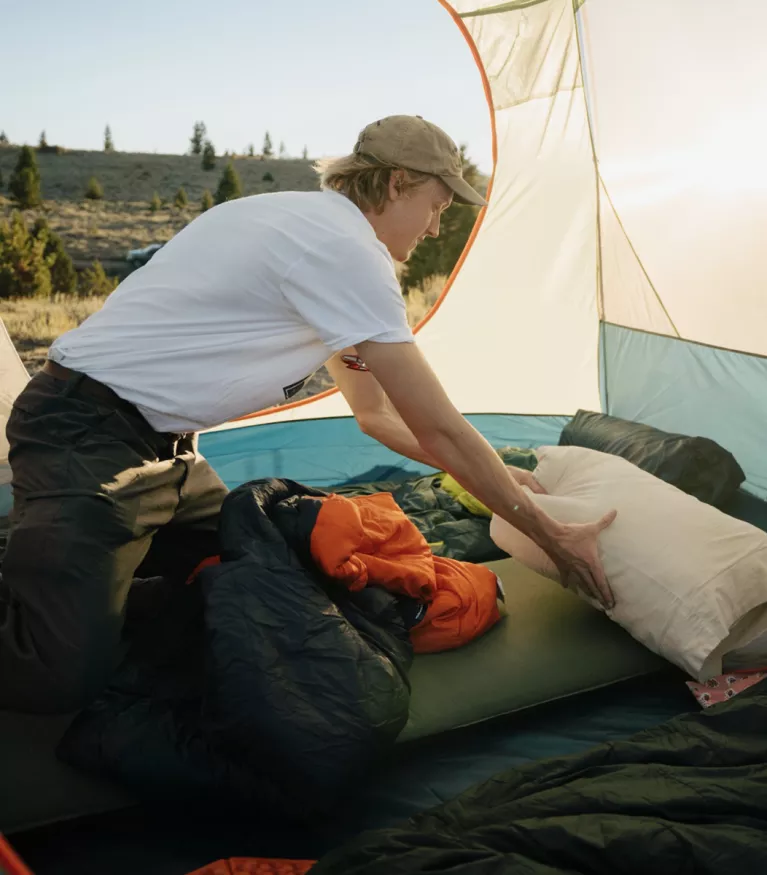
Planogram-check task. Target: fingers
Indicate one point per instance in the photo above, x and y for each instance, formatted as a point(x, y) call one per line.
point(591, 580)
point(607, 520)
point(600, 588)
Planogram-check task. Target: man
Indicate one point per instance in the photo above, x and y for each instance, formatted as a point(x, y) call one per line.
point(232, 315)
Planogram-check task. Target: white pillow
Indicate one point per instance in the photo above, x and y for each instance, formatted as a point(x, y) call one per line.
point(689, 581)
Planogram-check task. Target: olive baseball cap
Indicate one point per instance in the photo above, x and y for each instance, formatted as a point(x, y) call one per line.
point(411, 142)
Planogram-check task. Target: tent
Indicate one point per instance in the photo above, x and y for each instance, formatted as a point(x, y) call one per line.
point(618, 267)
point(619, 264)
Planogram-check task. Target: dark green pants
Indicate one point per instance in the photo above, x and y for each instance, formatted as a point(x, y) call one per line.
point(100, 498)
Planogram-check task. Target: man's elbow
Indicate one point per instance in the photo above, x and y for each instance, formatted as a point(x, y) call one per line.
point(368, 424)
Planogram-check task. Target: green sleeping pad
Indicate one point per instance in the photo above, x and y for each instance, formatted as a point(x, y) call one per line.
point(551, 644)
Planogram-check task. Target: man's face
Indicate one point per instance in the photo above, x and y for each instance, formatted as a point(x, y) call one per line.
point(409, 217)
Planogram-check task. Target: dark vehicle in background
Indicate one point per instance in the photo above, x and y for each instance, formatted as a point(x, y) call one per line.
point(139, 257)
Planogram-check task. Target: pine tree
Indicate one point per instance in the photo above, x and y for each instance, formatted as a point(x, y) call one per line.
point(438, 256)
point(283, 150)
point(43, 144)
point(267, 151)
point(155, 203)
point(24, 267)
point(95, 190)
point(267, 177)
point(95, 283)
point(251, 151)
point(197, 138)
point(63, 273)
point(305, 154)
point(208, 156)
point(207, 201)
point(229, 187)
point(109, 145)
point(3, 138)
point(24, 184)
point(180, 200)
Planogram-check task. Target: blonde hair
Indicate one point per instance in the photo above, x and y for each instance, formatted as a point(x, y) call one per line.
point(364, 180)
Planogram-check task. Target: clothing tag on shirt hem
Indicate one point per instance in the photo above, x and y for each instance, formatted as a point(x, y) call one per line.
point(294, 388)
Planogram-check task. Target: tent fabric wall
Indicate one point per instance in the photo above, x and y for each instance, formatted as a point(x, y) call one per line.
point(13, 378)
point(330, 451)
point(679, 131)
point(677, 385)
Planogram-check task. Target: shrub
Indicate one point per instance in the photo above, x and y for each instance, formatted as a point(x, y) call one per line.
point(63, 273)
point(208, 156)
point(207, 201)
point(25, 270)
point(267, 177)
point(180, 200)
point(155, 203)
point(94, 190)
point(95, 283)
point(24, 184)
point(229, 187)
point(196, 140)
point(267, 151)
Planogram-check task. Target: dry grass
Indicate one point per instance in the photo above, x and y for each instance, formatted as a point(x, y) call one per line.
point(34, 324)
point(422, 298)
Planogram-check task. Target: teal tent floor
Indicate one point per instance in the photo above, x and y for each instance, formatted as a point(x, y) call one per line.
point(414, 777)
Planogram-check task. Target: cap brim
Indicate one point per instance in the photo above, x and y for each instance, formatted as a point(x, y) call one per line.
point(463, 193)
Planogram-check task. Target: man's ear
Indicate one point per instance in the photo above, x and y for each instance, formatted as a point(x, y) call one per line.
point(396, 184)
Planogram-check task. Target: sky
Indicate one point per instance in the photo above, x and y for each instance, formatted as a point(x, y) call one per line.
point(311, 72)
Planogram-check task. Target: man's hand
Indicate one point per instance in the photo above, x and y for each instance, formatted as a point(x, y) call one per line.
point(576, 555)
point(404, 377)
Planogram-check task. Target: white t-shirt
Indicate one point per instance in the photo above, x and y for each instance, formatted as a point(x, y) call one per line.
point(240, 308)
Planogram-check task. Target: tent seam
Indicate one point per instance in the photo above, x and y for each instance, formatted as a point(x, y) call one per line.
point(601, 361)
point(729, 349)
point(636, 255)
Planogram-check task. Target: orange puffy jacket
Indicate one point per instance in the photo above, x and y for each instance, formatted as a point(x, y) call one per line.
point(368, 539)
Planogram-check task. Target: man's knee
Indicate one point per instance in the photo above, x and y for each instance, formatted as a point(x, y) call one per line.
point(50, 667)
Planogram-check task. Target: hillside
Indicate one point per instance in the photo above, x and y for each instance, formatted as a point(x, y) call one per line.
point(107, 229)
point(134, 176)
